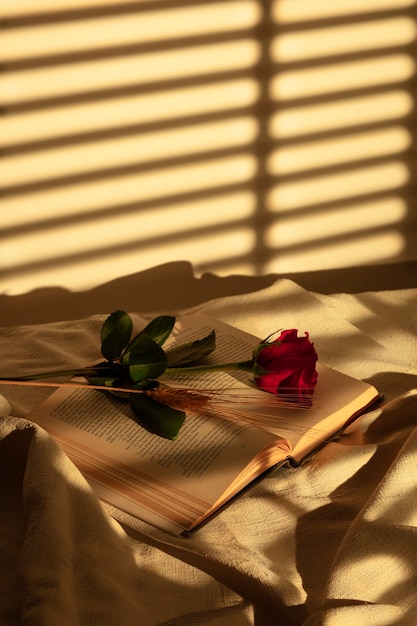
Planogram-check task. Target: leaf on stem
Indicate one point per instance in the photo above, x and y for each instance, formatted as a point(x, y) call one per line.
point(115, 334)
point(189, 353)
point(156, 417)
point(146, 359)
point(159, 329)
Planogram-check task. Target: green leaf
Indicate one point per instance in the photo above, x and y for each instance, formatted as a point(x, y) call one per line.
point(107, 374)
point(115, 334)
point(113, 385)
point(159, 329)
point(189, 353)
point(146, 359)
point(156, 417)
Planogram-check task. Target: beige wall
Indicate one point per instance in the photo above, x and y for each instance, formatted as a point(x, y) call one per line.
point(243, 137)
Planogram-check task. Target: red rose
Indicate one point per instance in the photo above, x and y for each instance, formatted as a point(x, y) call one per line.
point(288, 364)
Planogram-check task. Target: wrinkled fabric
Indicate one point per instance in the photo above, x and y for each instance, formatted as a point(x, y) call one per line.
point(332, 542)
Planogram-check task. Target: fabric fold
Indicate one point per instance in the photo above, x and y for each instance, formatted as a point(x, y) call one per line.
point(66, 561)
point(330, 543)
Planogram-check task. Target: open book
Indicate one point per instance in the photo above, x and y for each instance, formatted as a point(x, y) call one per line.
point(176, 485)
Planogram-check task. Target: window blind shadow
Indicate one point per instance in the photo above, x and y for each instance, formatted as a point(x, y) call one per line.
point(244, 137)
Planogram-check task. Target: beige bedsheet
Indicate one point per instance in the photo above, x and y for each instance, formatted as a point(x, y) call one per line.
point(333, 542)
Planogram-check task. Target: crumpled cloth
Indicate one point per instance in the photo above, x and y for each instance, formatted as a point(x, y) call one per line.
point(333, 542)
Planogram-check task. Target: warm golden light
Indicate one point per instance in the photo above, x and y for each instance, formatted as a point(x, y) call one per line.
point(340, 114)
point(329, 152)
point(131, 70)
point(110, 193)
point(113, 113)
point(338, 77)
point(11, 8)
point(324, 42)
point(203, 249)
point(296, 230)
point(293, 11)
point(372, 248)
point(239, 135)
point(151, 225)
point(122, 30)
point(135, 149)
point(331, 187)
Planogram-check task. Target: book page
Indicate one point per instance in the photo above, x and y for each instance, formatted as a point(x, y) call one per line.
point(336, 399)
point(244, 432)
point(168, 483)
